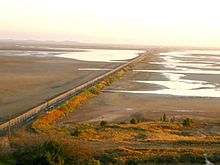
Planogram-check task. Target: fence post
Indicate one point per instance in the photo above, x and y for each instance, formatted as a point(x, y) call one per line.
point(9, 127)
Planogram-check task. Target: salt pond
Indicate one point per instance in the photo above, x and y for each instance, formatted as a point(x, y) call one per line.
point(93, 55)
point(175, 68)
point(102, 55)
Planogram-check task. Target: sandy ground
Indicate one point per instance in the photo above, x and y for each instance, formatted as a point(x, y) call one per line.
point(28, 81)
point(124, 106)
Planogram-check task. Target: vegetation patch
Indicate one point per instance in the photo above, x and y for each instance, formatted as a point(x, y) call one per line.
point(134, 121)
point(48, 153)
point(45, 122)
point(151, 142)
point(103, 123)
point(187, 122)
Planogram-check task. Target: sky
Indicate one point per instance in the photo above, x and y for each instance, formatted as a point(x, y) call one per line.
point(140, 22)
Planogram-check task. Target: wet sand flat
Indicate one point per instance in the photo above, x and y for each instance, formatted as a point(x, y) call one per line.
point(114, 105)
point(26, 81)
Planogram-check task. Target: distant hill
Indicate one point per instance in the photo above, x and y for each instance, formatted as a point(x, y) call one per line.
point(69, 44)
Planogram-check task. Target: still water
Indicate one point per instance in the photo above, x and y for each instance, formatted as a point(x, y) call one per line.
point(186, 73)
point(102, 55)
point(92, 55)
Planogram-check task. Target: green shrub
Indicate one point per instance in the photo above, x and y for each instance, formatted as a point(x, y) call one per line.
point(106, 158)
point(94, 91)
point(215, 157)
point(132, 162)
point(168, 159)
point(48, 153)
point(189, 158)
point(187, 122)
point(103, 123)
point(172, 120)
point(134, 121)
point(76, 133)
point(164, 118)
point(123, 122)
point(6, 159)
point(92, 162)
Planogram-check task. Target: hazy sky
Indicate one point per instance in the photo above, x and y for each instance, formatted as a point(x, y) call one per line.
point(166, 22)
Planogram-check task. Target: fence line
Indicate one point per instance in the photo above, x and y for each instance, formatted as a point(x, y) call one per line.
point(64, 96)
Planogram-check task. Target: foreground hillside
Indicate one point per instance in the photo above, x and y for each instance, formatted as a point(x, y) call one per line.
point(128, 142)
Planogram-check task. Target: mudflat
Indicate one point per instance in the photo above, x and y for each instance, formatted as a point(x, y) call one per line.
point(119, 106)
point(26, 81)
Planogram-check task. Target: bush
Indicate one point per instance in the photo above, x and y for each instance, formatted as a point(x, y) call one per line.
point(215, 157)
point(172, 120)
point(166, 159)
point(164, 118)
point(132, 162)
point(187, 122)
point(192, 158)
point(123, 122)
point(6, 159)
point(103, 123)
point(94, 91)
point(134, 121)
point(48, 153)
point(106, 158)
point(92, 162)
point(76, 133)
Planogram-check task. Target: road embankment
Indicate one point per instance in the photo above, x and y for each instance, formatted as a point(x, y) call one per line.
point(60, 99)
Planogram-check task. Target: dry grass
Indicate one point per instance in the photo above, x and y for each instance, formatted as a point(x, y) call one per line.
point(152, 141)
point(144, 133)
point(45, 123)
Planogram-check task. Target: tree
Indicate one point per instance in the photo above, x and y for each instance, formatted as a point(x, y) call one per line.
point(172, 120)
point(164, 118)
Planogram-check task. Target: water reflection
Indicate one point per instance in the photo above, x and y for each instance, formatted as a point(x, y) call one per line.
point(101, 55)
point(176, 65)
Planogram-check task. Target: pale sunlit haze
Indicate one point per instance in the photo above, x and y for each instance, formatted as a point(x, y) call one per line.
point(153, 22)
